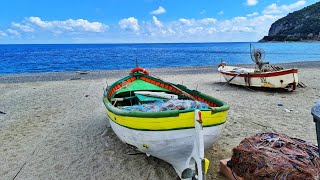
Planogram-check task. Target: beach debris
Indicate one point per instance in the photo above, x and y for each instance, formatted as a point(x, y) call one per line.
point(76, 78)
point(279, 104)
point(1, 112)
point(287, 110)
point(275, 156)
point(82, 72)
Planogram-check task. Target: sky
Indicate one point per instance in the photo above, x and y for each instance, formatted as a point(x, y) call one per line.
point(140, 21)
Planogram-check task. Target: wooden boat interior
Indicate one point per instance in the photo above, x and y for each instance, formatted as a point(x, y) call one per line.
point(126, 92)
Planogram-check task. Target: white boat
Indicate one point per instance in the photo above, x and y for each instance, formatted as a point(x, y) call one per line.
point(178, 136)
point(268, 76)
point(285, 78)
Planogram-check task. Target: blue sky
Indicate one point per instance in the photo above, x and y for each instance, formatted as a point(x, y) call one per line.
point(140, 21)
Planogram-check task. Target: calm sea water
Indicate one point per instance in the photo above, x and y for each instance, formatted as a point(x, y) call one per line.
point(16, 59)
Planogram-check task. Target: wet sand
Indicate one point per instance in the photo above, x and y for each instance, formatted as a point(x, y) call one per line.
point(55, 127)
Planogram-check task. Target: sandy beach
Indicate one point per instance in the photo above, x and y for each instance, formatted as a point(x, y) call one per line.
point(54, 126)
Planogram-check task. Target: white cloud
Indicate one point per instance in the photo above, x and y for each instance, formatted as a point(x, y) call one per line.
point(129, 23)
point(247, 27)
point(24, 28)
point(39, 22)
point(195, 30)
point(156, 21)
point(13, 32)
point(211, 30)
point(253, 14)
point(160, 10)
point(188, 22)
point(3, 34)
point(275, 9)
point(252, 2)
point(68, 25)
point(208, 21)
point(203, 27)
point(239, 19)
point(251, 27)
point(35, 26)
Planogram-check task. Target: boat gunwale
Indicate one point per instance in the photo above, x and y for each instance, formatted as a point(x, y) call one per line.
point(262, 74)
point(222, 106)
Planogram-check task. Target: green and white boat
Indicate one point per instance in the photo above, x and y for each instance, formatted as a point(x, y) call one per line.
point(175, 133)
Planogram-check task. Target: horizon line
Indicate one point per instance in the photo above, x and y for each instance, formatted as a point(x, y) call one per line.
point(127, 43)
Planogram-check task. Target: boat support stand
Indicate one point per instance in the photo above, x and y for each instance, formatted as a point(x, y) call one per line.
point(201, 163)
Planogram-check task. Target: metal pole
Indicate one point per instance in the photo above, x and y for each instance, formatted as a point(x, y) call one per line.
point(318, 132)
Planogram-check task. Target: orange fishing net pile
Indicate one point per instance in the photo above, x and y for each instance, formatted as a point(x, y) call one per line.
point(275, 156)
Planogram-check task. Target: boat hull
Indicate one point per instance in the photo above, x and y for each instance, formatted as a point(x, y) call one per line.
point(176, 133)
point(276, 79)
point(172, 146)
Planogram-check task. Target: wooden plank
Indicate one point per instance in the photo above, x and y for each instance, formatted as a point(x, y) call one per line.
point(143, 98)
point(117, 99)
point(226, 171)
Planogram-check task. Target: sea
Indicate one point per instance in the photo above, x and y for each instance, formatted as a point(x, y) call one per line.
point(40, 58)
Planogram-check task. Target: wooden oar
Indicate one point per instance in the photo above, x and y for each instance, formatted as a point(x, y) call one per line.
point(184, 93)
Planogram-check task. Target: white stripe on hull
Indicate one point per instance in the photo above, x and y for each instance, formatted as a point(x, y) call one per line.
point(173, 146)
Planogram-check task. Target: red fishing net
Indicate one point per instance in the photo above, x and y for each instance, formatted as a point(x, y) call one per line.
point(275, 156)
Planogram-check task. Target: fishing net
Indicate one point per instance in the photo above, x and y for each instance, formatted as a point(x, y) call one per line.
point(275, 156)
point(173, 104)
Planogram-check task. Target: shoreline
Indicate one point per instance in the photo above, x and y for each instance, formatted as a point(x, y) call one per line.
point(100, 74)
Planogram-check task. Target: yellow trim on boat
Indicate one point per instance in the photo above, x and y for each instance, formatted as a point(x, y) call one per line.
point(184, 120)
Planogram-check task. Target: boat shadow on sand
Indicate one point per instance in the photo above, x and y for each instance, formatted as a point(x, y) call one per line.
point(224, 86)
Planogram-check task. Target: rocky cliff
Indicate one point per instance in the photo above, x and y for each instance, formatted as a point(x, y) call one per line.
point(302, 25)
